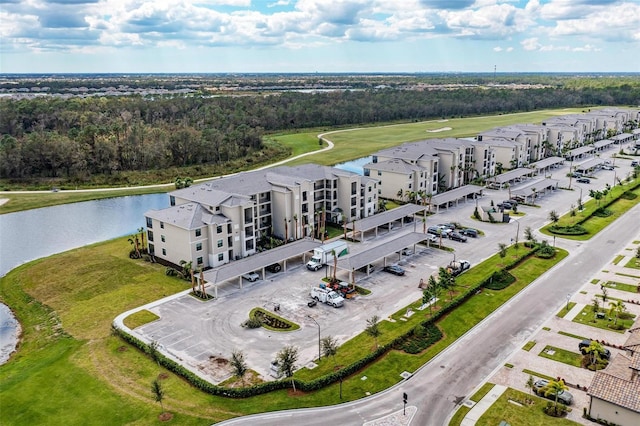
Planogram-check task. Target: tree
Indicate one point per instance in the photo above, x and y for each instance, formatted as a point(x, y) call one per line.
point(133, 240)
point(554, 217)
point(594, 351)
point(502, 250)
point(335, 263)
point(141, 231)
point(595, 307)
point(239, 365)
point(153, 352)
point(555, 388)
point(373, 328)
point(616, 307)
point(431, 293)
point(287, 358)
point(158, 392)
point(529, 236)
point(329, 347)
point(295, 220)
point(446, 281)
point(529, 384)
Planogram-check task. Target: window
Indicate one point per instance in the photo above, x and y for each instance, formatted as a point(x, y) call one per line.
point(164, 252)
point(220, 257)
point(198, 232)
point(172, 200)
point(150, 222)
point(150, 235)
point(152, 249)
point(219, 229)
point(220, 243)
point(162, 238)
point(199, 261)
point(379, 172)
point(161, 225)
point(199, 247)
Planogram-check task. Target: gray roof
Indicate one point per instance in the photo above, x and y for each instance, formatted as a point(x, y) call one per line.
point(456, 194)
point(604, 142)
point(384, 247)
point(539, 184)
point(258, 261)
point(395, 165)
point(510, 175)
point(186, 216)
point(592, 162)
point(412, 151)
point(579, 151)
point(546, 162)
point(502, 132)
point(385, 217)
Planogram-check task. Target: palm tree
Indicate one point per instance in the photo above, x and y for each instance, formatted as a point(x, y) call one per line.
point(286, 231)
point(335, 263)
point(329, 347)
point(295, 220)
point(555, 388)
point(502, 250)
point(618, 308)
point(595, 306)
point(141, 231)
point(400, 193)
point(594, 351)
point(529, 236)
point(158, 392)
point(554, 217)
point(373, 328)
point(133, 240)
point(529, 384)
point(239, 365)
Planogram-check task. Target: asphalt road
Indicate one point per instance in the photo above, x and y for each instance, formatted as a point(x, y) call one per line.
point(437, 388)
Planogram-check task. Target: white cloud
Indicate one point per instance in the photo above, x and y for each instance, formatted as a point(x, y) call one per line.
point(530, 44)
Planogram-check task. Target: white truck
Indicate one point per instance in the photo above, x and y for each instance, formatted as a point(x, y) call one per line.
point(324, 254)
point(327, 296)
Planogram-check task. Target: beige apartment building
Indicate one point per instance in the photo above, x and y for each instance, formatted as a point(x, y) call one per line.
point(213, 223)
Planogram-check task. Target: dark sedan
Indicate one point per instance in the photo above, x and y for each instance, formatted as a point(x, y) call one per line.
point(394, 269)
point(458, 237)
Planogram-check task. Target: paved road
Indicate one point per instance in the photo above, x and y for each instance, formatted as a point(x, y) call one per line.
point(444, 382)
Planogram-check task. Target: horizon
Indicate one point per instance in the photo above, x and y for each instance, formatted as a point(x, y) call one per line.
point(319, 36)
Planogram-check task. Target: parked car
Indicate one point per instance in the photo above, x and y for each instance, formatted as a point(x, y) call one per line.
point(470, 232)
point(634, 163)
point(450, 226)
point(364, 268)
point(434, 230)
point(511, 201)
point(583, 180)
point(275, 267)
point(430, 238)
point(407, 252)
point(251, 276)
point(607, 167)
point(504, 205)
point(394, 269)
point(564, 397)
point(455, 236)
point(583, 345)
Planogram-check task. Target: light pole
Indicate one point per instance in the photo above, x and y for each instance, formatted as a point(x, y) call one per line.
point(314, 320)
point(568, 298)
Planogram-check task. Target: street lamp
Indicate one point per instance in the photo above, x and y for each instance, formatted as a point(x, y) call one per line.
point(568, 298)
point(314, 320)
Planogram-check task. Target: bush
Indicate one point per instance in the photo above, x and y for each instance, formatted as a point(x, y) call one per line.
point(602, 212)
point(253, 323)
point(500, 280)
point(568, 230)
point(555, 410)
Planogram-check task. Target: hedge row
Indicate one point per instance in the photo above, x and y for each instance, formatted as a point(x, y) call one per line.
point(432, 334)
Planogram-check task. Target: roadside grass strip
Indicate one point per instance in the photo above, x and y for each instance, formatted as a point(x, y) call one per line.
point(622, 287)
point(460, 414)
point(536, 374)
point(530, 344)
point(575, 336)
point(561, 355)
point(565, 310)
point(627, 275)
point(633, 263)
point(515, 408)
point(618, 259)
point(588, 317)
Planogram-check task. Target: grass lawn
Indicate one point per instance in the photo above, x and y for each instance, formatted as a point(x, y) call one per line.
point(65, 304)
point(634, 263)
point(140, 318)
point(618, 259)
point(527, 347)
point(524, 414)
point(622, 287)
point(575, 336)
point(564, 311)
point(561, 355)
point(587, 317)
point(596, 223)
point(460, 414)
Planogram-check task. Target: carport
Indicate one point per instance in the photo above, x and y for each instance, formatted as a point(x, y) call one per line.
point(455, 195)
point(574, 154)
point(531, 189)
point(384, 248)
point(603, 144)
point(546, 165)
point(589, 166)
point(385, 218)
point(509, 177)
point(235, 269)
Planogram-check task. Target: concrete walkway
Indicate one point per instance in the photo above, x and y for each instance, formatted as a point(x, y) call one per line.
point(483, 405)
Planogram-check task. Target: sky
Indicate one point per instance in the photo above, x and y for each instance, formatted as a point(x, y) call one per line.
point(326, 36)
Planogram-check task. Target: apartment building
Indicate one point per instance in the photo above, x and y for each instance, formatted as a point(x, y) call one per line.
point(225, 219)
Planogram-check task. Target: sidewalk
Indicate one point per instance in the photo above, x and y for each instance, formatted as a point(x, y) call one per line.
point(483, 405)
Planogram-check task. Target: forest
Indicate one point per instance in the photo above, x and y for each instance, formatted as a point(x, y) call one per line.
point(82, 140)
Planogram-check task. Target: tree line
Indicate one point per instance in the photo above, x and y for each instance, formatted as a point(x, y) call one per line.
point(79, 138)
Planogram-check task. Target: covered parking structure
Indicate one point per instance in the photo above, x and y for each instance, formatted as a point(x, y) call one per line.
point(455, 195)
point(384, 219)
point(510, 177)
point(602, 145)
point(531, 189)
point(384, 248)
point(260, 261)
point(589, 166)
point(544, 166)
point(581, 152)
point(622, 138)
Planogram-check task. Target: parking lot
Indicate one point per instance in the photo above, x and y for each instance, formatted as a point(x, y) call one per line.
point(202, 335)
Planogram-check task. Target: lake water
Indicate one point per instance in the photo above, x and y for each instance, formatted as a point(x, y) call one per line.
point(33, 234)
